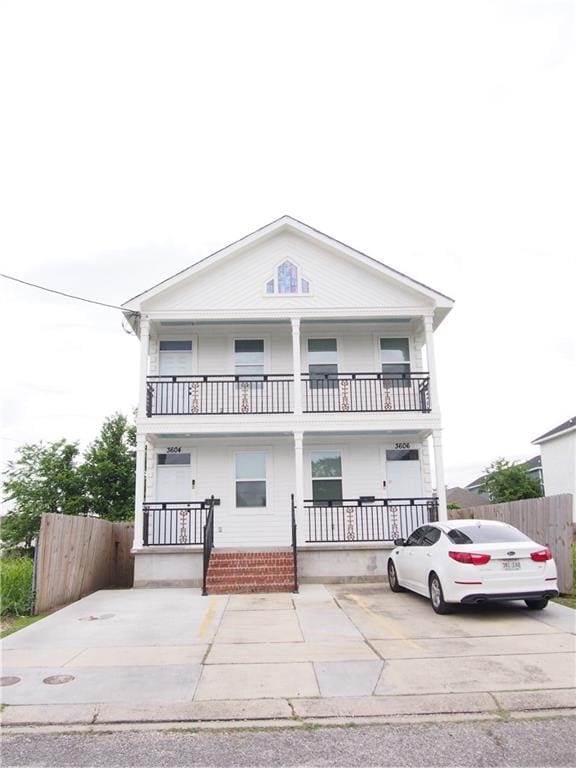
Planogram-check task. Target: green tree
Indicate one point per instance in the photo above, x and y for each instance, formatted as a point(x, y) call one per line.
point(509, 481)
point(109, 470)
point(42, 478)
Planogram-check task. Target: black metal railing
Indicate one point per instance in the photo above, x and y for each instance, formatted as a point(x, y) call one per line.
point(211, 395)
point(170, 523)
point(294, 543)
point(208, 542)
point(368, 392)
point(367, 519)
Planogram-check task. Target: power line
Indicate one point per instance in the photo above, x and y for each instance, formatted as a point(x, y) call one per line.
point(67, 295)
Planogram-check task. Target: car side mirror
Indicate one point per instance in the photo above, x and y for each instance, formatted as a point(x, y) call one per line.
point(399, 542)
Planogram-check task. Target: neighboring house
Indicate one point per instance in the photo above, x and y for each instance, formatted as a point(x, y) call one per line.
point(465, 498)
point(558, 451)
point(284, 364)
point(533, 466)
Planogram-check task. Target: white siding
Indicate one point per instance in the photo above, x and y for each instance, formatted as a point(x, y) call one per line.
point(239, 281)
point(559, 465)
point(363, 468)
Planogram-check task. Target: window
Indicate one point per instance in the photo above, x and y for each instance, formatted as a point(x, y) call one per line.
point(326, 476)
point(287, 281)
point(431, 536)
point(323, 363)
point(485, 534)
point(170, 459)
point(175, 358)
point(250, 479)
point(395, 358)
point(415, 539)
point(249, 358)
point(403, 455)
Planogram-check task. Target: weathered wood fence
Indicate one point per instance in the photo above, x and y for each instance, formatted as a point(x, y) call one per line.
point(548, 521)
point(78, 555)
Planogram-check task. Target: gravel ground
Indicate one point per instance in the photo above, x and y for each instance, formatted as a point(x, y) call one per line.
point(514, 743)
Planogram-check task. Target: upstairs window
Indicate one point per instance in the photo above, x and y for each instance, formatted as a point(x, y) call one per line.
point(395, 358)
point(287, 281)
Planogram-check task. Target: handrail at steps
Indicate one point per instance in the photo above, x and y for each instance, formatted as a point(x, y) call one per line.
point(294, 548)
point(208, 542)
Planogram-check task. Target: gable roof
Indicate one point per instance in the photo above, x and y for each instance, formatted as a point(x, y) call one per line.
point(443, 302)
point(532, 465)
point(567, 426)
point(465, 498)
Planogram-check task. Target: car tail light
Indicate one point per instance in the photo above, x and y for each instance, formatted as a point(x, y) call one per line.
point(542, 555)
point(473, 558)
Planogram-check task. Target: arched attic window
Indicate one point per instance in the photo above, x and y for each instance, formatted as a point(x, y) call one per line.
point(287, 281)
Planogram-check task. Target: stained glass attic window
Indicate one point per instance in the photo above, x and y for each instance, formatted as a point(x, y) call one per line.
point(270, 286)
point(287, 278)
point(305, 286)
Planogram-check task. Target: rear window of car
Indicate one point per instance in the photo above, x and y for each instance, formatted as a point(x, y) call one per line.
point(485, 534)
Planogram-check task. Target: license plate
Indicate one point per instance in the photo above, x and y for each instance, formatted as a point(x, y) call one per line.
point(511, 565)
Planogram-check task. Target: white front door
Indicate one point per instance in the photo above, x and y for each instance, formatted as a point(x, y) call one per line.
point(403, 474)
point(174, 477)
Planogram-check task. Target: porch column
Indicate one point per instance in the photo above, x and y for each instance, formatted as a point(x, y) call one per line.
point(139, 490)
point(144, 351)
point(299, 484)
point(296, 365)
point(440, 484)
point(429, 338)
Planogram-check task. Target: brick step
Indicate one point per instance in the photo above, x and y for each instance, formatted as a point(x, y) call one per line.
point(233, 571)
point(244, 589)
point(249, 572)
point(246, 578)
point(250, 560)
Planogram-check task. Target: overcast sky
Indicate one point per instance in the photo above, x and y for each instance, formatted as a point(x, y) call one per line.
point(438, 137)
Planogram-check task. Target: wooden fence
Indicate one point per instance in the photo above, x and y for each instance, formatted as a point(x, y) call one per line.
point(547, 520)
point(78, 555)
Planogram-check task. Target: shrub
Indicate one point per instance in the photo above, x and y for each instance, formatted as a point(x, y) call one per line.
point(15, 585)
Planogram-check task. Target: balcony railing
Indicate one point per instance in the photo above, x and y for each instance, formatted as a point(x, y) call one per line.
point(365, 392)
point(367, 519)
point(273, 393)
point(169, 523)
point(212, 395)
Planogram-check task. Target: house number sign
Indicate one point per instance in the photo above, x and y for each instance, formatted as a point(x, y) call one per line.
point(401, 446)
point(174, 449)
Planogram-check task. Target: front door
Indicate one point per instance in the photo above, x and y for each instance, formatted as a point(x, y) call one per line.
point(403, 474)
point(174, 478)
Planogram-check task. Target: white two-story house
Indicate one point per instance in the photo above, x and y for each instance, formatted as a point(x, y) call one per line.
point(293, 379)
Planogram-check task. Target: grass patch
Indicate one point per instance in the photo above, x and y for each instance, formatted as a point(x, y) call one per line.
point(12, 624)
point(570, 600)
point(16, 585)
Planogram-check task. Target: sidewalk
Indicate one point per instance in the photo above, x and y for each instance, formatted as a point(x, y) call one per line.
point(327, 654)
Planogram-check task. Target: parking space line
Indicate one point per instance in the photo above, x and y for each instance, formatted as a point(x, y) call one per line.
point(389, 626)
point(208, 618)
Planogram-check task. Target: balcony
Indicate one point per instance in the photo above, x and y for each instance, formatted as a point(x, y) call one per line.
point(273, 394)
point(366, 519)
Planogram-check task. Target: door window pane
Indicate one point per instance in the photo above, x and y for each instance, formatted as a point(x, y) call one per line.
point(406, 455)
point(165, 459)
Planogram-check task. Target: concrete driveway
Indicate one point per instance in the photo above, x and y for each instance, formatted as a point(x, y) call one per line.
point(343, 651)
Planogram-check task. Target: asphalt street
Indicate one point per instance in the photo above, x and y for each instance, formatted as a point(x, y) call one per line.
point(550, 742)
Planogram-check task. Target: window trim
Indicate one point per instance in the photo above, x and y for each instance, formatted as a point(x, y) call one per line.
point(341, 449)
point(267, 450)
point(233, 338)
point(154, 351)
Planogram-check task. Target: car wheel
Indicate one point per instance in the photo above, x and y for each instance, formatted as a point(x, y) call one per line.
point(537, 605)
point(437, 596)
point(393, 578)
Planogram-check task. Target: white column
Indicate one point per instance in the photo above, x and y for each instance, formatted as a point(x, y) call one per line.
point(144, 351)
point(429, 338)
point(139, 490)
point(296, 365)
point(299, 484)
point(440, 484)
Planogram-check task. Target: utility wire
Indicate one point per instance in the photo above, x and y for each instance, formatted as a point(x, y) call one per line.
point(68, 295)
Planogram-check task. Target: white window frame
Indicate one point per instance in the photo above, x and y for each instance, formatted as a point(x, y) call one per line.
point(265, 337)
point(154, 352)
point(340, 448)
point(395, 335)
point(267, 451)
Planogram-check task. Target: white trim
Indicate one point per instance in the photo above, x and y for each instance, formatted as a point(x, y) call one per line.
point(288, 223)
point(268, 451)
point(555, 435)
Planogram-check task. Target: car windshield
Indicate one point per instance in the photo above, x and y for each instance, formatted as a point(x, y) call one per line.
point(485, 534)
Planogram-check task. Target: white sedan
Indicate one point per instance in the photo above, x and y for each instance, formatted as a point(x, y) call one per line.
point(472, 561)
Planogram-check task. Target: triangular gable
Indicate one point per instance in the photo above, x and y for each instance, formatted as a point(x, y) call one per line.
point(286, 224)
